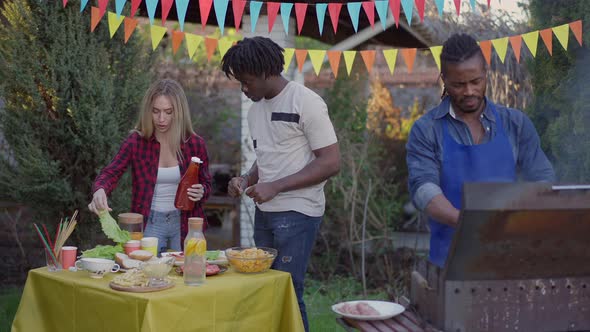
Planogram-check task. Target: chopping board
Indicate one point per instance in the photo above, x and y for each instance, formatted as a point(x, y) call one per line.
point(135, 289)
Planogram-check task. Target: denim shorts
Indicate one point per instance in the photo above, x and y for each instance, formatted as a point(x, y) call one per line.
point(166, 227)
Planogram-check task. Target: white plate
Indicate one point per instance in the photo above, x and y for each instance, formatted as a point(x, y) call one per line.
point(386, 310)
point(221, 259)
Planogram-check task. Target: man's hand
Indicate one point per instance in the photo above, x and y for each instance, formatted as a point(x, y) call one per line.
point(196, 192)
point(262, 192)
point(236, 186)
point(99, 202)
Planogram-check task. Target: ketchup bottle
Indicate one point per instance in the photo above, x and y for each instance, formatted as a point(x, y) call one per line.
point(181, 201)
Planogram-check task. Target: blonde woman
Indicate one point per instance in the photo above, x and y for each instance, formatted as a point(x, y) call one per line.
point(159, 151)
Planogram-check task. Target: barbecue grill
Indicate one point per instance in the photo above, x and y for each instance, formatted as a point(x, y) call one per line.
point(519, 261)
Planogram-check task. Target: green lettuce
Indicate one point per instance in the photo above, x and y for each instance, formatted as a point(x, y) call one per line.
point(100, 251)
point(111, 229)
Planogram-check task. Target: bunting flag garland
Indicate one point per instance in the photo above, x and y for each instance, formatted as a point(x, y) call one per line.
point(381, 7)
point(192, 43)
point(436, 51)
point(181, 7)
point(288, 54)
point(369, 8)
point(440, 5)
point(516, 42)
point(210, 45)
point(204, 9)
point(300, 10)
point(334, 9)
point(119, 4)
point(220, 12)
point(547, 37)
point(349, 60)
point(486, 49)
point(255, 7)
point(321, 15)
point(151, 9)
point(354, 9)
point(409, 55)
point(501, 46)
point(390, 58)
point(157, 33)
point(368, 58)
point(408, 7)
point(166, 6)
point(334, 59)
point(177, 37)
point(134, 6)
point(130, 24)
point(300, 56)
point(576, 28)
point(238, 7)
point(395, 5)
point(562, 34)
point(273, 11)
point(114, 21)
point(94, 18)
point(531, 40)
point(224, 44)
point(317, 58)
point(286, 8)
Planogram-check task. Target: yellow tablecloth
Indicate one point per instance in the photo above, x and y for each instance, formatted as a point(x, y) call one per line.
point(71, 301)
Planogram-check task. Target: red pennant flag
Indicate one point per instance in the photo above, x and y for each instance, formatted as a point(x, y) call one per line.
point(409, 55)
point(516, 42)
point(130, 24)
point(300, 9)
point(94, 18)
point(134, 6)
point(577, 30)
point(369, 7)
point(489, 3)
point(368, 58)
point(334, 58)
point(102, 5)
point(64, 2)
point(547, 36)
point(300, 56)
point(458, 6)
point(273, 9)
point(486, 49)
point(420, 7)
point(210, 45)
point(177, 37)
point(334, 9)
point(394, 7)
point(205, 8)
point(166, 5)
point(238, 8)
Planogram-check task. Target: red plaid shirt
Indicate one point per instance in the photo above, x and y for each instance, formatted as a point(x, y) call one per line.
point(144, 155)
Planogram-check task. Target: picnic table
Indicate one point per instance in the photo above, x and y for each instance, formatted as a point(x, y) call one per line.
point(71, 301)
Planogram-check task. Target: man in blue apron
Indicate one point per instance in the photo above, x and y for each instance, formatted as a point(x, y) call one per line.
point(467, 138)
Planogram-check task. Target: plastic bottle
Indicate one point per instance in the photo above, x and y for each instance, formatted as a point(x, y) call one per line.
point(195, 248)
point(181, 201)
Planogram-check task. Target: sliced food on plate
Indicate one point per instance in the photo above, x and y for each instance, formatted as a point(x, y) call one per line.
point(368, 310)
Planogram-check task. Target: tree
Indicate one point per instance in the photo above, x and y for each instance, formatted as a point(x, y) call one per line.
point(70, 97)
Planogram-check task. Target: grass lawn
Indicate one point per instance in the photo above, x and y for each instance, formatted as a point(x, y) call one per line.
point(9, 299)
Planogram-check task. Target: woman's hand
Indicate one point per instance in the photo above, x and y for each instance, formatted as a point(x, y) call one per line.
point(99, 202)
point(196, 192)
point(236, 186)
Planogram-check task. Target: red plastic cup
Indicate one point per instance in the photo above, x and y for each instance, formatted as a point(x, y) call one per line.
point(67, 256)
point(131, 246)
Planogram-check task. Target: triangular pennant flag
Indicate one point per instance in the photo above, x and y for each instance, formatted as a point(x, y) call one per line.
point(94, 18)
point(238, 10)
point(192, 42)
point(516, 42)
point(134, 6)
point(420, 7)
point(349, 60)
point(440, 5)
point(368, 58)
point(458, 6)
point(224, 45)
point(254, 13)
point(334, 9)
point(390, 58)
point(119, 4)
point(272, 9)
point(489, 1)
point(157, 33)
point(181, 7)
point(151, 9)
point(220, 13)
point(102, 6)
point(531, 40)
point(354, 10)
point(286, 8)
point(381, 7)
point(436, 51)
point(562, 33)
point(408, 6)
point(486, 49)
point(547, 36)
point(320, 10)
point(129, 24)
point(300, 9)
point(334, 59)
point(369, 7)
point(577, 30)
point(166, 6)
point(288, 53)
point(114, 22)
point(210, 45)
point(501, 46)
point(472, 3)
point(204, 9)
point(409, 55)
point(300, 56)
point(64, 3)
point(317, 58)
point(83, 4)
point(177, 37)
point(395, 10)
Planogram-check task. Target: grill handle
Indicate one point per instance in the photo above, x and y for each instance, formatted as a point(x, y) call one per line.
point(571, 187)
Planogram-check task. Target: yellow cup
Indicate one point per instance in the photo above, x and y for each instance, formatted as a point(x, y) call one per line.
point(150, 244)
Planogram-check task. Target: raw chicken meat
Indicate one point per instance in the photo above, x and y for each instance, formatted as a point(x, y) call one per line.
point(359, 309)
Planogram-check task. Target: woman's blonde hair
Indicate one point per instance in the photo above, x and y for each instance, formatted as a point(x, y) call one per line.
point(181, 128)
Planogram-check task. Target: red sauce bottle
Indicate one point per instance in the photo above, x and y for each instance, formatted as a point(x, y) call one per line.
point(181, 201)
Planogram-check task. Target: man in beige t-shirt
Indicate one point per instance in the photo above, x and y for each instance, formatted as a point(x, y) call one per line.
point(296, 152)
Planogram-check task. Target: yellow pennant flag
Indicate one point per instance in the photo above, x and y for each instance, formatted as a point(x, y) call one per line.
point(157, 35)
point(289, 52)
point(349, 60)
point(562, 33)
point(436, 51)
point(317, 58)
point(192, 42)
point(224, 45)
point(390, 58)
point(114, 22)
point(501, 46)
point(531, 40)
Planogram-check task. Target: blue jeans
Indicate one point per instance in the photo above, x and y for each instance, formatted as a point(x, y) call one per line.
point(166, 227)
point(293, 235)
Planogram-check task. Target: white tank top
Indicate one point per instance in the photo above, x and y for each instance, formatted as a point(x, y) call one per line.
point(165, 190)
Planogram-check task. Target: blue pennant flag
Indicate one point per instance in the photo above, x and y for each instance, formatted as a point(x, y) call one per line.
point(381, 7)
point(286, 8)
point(220, 11)
point(320, 10)
point(440, 4)
point(181, 7)
point(151, 8)
point(83, 4)
point(254, 12)
point(354, 10)
point(119, 4)
point(472, 2)
point(408, 6)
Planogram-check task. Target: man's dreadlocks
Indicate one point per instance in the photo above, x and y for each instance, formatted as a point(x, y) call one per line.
point(255, 56)
point(458, 48)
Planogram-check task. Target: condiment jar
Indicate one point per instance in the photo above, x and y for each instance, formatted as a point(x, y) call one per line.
point(133, 223)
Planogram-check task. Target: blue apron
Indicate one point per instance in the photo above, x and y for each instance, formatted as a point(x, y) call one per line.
point(489, 162)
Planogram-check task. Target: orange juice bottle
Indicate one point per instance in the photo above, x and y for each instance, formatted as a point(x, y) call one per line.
point(191, 177)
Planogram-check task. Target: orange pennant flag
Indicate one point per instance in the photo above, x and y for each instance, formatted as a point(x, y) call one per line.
point(577, 30)
point(486, 49)
point(210, 45)
point(547, 36)
point(300, 56)
point(130, 24)
point(334, 58)
point(516, 42)
point(409, 55)
point(368, 58)
point(177, 37)
point(94, 18)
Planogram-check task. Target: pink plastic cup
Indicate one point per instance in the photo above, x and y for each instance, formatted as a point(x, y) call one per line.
point(131, 246)
point(68, 257)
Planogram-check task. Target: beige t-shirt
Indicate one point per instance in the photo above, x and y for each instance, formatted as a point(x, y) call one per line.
point(285, 130)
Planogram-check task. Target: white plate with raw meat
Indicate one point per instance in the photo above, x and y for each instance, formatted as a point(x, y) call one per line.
point(368, 310)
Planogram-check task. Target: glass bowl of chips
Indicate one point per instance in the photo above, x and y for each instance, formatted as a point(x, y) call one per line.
point(250, 260)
